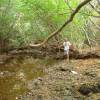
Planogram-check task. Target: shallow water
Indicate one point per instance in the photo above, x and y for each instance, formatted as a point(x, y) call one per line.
point(15, 75)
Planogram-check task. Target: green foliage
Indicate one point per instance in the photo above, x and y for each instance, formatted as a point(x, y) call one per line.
point(26, 21)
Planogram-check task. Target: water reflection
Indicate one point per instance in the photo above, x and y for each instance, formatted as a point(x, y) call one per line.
point(15, 75)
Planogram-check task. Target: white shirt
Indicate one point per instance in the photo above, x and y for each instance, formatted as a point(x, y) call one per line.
point(66, 45)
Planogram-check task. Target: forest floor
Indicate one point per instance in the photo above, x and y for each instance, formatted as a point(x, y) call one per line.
point(76, 80)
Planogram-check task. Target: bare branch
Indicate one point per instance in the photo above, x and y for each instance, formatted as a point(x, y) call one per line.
point(97, 27)
point(67, 2)
point(92, 6)
point(65, 24)
point(86, 14)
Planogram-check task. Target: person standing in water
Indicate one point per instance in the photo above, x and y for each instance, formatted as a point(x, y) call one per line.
point(66, 45)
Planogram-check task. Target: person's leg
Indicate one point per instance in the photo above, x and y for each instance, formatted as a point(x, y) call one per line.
point(65, 55)
point(68, 55)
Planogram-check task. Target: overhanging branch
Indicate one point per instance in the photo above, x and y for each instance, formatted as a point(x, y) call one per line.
point(65, 24)
point(94, 8)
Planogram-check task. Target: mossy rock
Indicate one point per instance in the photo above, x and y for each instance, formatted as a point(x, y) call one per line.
point(87, 88)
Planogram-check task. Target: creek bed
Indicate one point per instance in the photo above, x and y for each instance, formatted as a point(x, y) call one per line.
point(15, 75)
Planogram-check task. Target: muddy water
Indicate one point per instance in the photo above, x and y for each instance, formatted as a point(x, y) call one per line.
point(15, 75)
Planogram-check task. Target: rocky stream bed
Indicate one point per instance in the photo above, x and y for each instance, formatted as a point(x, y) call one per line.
point(28, 78)
point(67, 81)
point(76, 80)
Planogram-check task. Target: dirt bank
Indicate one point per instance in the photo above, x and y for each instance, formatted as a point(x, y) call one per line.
point(51, 52)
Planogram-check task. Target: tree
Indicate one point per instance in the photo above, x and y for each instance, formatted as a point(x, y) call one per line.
point(66, 23)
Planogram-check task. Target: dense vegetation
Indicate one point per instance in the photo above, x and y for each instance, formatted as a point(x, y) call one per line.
point(27, 21)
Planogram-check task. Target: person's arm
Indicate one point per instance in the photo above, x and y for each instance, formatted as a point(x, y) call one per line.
point(63, 43)
point(72, 47)
point(69, 43)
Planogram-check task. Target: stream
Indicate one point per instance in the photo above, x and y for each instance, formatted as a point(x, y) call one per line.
point(15, 75)
point(25, 78)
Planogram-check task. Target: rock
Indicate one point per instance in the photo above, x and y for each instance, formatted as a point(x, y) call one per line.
point(90, 73)
point(16, 98)
point(74, 72)
point(87, 88)
point(65, 68)
point(1, 73)
point(40, 79)
point(6, 74)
